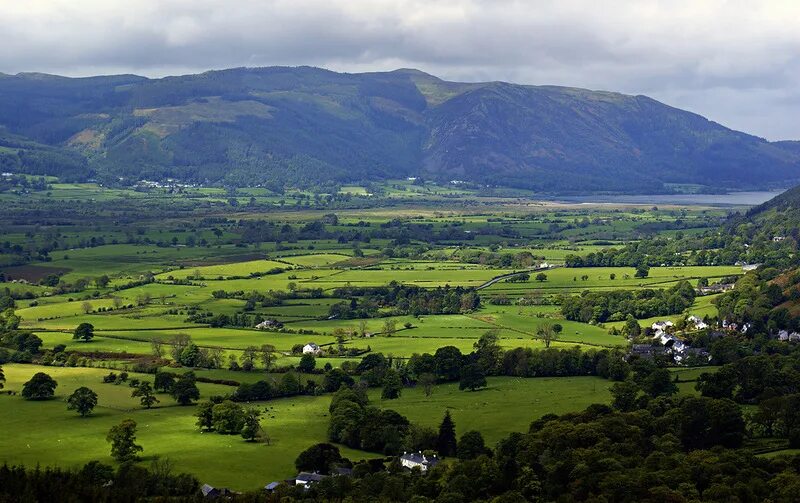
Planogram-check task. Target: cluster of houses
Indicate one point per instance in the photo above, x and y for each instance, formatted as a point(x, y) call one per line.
point(169, 183)
point(786, 336)
point(715, 288)
point(671, 345)
point(735, 327)
point(409, 460)
point(674, 347)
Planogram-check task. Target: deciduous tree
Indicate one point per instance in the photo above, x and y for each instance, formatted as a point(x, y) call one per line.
point(307, 363)
point(392, 385)
point(427, 380)
point(488, 352)
point(164, 382)
point(248, 358)
point(122, 438)
point(624, 395)
point(146, 395)
point(82, 400)
point(471, 445)
point(40, 387)
point(84, 332)
point(389, 327)
point(227, 417)
point(546, 332)
point(184, 391)
point(267, 351)
point(658, 383)
point(472, 377)
point(319, 458)
point(252, 425)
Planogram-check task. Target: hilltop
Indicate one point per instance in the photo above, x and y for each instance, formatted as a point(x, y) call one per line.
point(306, 126)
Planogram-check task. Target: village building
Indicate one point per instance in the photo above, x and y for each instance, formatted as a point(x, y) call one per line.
point(646, 351)
point(306, 479)
point(267, 324)
point(412, 460)
point(661, 326)
point(311, 349)
point(698, 323)
point(209, 491)
point(716, 288)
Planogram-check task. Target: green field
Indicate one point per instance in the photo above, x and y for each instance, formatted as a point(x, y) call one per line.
point(47, 431)
point(599, 278)
point(506, 405)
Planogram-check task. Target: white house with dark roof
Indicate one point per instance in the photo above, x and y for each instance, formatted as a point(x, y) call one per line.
point(267, 324)
point(661, 326)
point(311, 348)
point(418, 460)
point(698, 323)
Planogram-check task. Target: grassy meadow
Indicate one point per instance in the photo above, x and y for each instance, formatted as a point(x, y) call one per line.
point(48, 431)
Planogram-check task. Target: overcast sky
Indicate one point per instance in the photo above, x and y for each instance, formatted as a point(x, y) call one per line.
point(736, 62)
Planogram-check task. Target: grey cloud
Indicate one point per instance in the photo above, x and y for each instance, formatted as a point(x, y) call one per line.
point(733, 61)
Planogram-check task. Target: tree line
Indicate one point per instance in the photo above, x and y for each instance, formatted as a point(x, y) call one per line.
point(369, 302)
point(617, 305)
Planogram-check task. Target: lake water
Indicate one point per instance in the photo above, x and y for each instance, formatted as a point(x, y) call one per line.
point(732, 199)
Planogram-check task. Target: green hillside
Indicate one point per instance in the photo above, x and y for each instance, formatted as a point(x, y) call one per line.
point(775, 223)
point(305, 126)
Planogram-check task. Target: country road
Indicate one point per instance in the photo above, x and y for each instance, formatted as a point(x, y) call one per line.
point(517, 273)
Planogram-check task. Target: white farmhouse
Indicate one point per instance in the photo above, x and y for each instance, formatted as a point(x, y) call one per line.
point(698, 323)
point(418, 460)
point(661, 326)
point(311, 348)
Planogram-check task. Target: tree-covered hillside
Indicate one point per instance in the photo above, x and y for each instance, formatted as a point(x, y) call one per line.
point(776, 223)
point(307, 126)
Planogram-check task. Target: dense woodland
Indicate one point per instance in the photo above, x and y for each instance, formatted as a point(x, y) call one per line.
point(619, 304)
point(416, 301)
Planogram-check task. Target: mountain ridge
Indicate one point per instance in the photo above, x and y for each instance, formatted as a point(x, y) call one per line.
point(304, 126)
